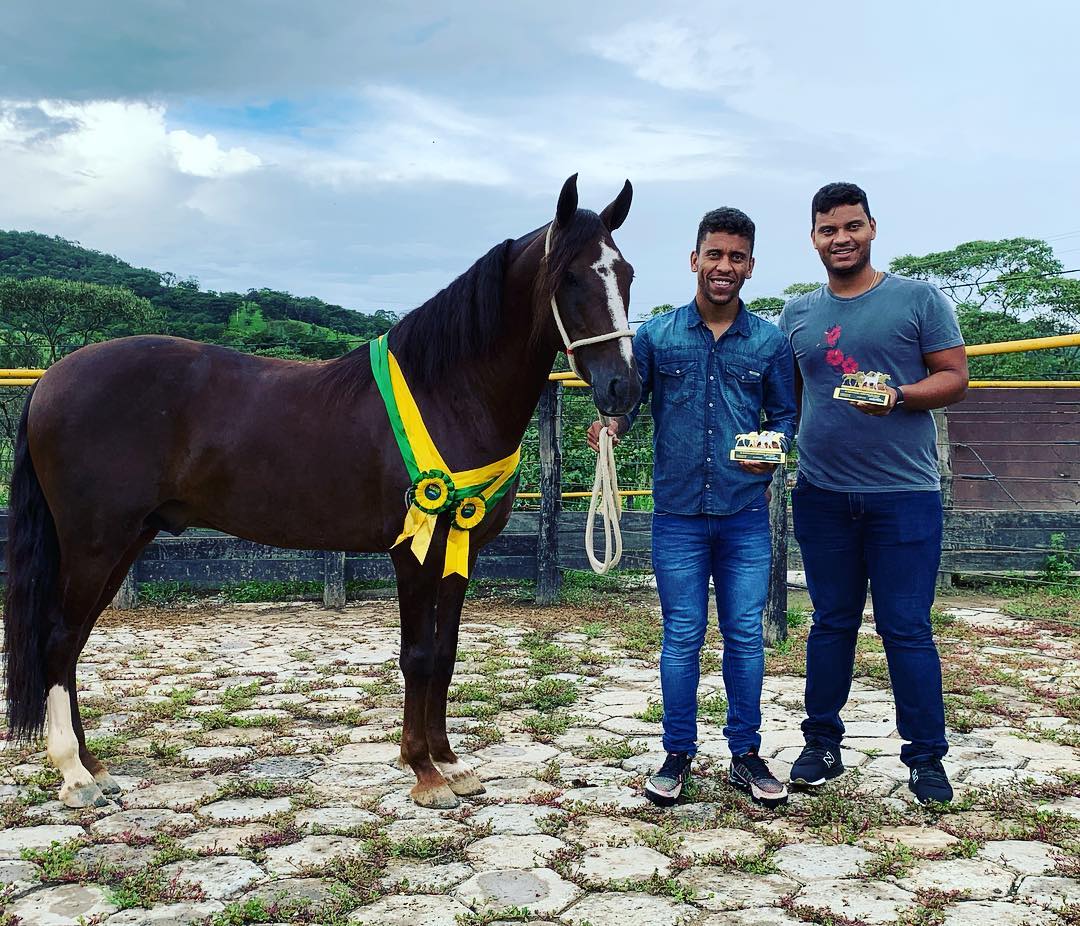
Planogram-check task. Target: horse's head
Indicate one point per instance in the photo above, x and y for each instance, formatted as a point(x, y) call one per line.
point(586, 288)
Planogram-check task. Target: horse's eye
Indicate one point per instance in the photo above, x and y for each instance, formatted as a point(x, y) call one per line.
point(569, 278)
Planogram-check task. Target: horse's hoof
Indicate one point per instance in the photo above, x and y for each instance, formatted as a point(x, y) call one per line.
point(438, 798)
point(465, 785)
point(107, 783)
point(88, 795)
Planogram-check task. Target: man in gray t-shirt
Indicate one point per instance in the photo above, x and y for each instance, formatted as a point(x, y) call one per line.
point(888, 329)
point(867, 503)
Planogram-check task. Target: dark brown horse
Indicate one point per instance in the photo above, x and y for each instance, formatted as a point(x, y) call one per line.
point(123, 439)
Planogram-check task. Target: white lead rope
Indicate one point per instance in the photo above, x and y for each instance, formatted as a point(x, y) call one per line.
point(605, 492)
point(605, 498)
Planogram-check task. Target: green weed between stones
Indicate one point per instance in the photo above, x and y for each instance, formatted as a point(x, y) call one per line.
point(654, 713)
point(545, 727)
point(890, 862)
point(548, 694)
point(841, 813)
point(439, 850)
point(713, 708)
point(57, 862)
point(506, 914)
point(611, 750)
point(127, 889)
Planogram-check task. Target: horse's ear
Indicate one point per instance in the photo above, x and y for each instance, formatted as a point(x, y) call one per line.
point(615, 214)
point(567, 207)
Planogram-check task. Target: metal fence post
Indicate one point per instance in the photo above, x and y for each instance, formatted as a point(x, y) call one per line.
point(774, 620)
point(549, 424)
point(334, 581)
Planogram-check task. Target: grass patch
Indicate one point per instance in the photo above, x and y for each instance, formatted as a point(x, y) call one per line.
point(251, 591)
point(440, 850)
point(57, 863)
point(481, 736)
point(894, 862)
point(654, 713)
point(160, 594)
point(545, 727)
point(175, 707)
point(580, 586)
point(713, 708)
point(548, 694)
point(612, 750)
point(642, 631)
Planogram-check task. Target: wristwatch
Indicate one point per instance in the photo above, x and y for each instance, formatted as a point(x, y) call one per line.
point(899, 396)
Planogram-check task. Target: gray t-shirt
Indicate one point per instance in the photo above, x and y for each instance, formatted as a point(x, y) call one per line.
point(886, 330)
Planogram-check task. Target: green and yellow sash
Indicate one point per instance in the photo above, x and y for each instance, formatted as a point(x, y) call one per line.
point(468, 495)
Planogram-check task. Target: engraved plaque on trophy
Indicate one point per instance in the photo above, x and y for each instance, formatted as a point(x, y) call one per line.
point(866, 387)
point(763, 447)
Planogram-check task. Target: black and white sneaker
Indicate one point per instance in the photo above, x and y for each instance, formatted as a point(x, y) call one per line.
point(928, 782)
point(664, 788)
point(749, 773)
point(816, 765)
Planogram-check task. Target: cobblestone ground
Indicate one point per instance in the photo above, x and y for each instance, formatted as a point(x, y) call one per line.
point(257, 747)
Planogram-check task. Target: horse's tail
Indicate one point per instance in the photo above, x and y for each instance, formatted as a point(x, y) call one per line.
point(33, 565)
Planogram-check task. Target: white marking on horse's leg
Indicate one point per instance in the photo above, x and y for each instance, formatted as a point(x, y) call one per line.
point(460, 777)
point(452, 769)
point(62, 747)
point(605, 269)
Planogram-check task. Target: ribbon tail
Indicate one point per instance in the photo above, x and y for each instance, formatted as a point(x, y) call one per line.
point(420, 527)
point(457, 554)
point(422, 538)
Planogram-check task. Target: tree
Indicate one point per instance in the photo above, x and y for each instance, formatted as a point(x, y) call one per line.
point(659, 310)
point(800, 289)
point(1005, 290)
point(769, 306)
point(1015, 276)
point(41, 319)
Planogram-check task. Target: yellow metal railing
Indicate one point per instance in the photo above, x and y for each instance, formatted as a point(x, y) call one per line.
point(1016, 347)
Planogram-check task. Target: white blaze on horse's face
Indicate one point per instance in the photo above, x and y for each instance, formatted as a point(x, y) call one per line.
point(605, 269)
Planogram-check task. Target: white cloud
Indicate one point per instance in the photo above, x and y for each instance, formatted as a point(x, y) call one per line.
point(204, 157)
point(102, 156)
point(402, 137)
point(683, 57)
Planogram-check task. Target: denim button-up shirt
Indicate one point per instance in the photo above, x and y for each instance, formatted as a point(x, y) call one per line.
point(704, 391)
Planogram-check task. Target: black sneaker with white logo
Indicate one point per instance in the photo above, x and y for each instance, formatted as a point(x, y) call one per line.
point(928, 782)
point(749, 773)
point(664, 788)
point(816, 765)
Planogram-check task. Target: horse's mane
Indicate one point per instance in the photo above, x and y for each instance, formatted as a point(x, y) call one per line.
point(465, 319)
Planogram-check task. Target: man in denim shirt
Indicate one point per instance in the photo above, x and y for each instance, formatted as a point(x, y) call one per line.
point(712, 368)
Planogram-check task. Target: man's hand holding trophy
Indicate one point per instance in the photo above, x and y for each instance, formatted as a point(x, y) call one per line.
point(869, 392)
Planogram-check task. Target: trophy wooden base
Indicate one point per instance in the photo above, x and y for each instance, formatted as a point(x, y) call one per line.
point(759, 455)
point(861, 394)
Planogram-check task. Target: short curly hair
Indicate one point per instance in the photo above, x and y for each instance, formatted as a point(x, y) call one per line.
point(837, 194)
point(727, 220)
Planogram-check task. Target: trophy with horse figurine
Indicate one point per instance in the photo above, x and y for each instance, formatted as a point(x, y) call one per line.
point(869, 387)
point(759, 447)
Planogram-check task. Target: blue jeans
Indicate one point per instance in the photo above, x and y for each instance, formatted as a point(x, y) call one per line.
point(892, 540)
point(736, 551)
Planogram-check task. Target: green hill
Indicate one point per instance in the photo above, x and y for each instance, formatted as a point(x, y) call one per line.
point(288, 325)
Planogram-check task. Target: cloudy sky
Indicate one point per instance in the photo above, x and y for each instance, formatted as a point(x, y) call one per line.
point(366, 153)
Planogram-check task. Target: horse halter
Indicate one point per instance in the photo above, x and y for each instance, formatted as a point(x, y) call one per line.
point(580, 342)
